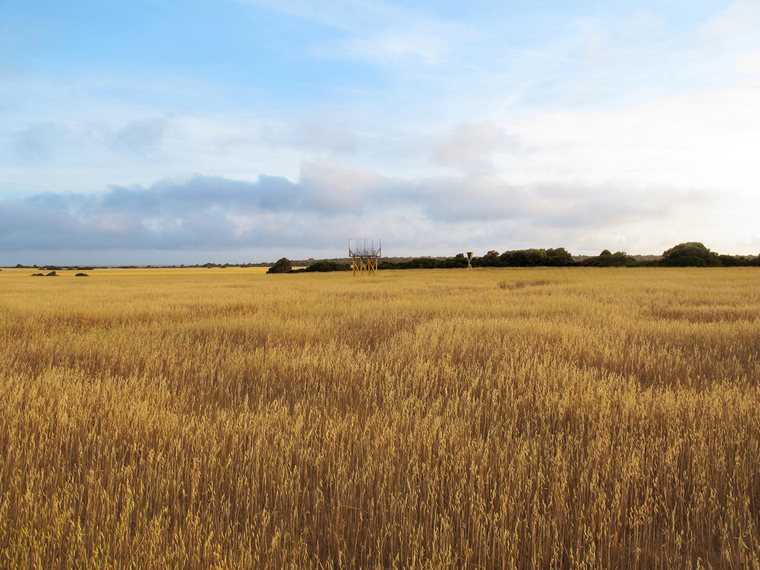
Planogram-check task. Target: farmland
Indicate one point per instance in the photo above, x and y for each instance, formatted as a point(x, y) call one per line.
point(499, 418)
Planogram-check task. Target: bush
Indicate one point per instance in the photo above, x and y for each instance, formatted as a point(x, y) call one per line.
point(325, 266)
point(282, 266)
point(459, 261)
point(607, 259)
point(559, 256)
point(690, 254)
point(738, 261)
point(524, 258)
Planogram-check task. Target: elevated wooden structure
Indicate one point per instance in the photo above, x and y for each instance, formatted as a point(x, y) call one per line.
point(364, 255)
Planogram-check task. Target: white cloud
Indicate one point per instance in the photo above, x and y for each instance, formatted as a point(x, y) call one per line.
point(242, 225)
point(333, 187)
point(703, 140)
point(737, 24)
point(388, 47)
point(383, 33)
point(472, 146)
point(330, 202)
point(747, 66)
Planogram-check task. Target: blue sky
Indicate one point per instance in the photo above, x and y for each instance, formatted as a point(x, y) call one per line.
point(233, 131)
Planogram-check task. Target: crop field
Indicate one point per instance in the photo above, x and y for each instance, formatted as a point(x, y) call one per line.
point(499, 418)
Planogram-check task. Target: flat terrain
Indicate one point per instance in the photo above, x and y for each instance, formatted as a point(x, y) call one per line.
point(196, 418)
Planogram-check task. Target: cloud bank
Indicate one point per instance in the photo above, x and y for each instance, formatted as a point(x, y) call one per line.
point(328, 204)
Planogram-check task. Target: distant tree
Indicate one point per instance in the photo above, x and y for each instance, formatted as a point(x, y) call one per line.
point(389, 265)
point(559, 256)
point(459, 260)
point(324, 266)
point(525, 258)
point(690, 254)
point(535, 257)
point(608, 259)
point(738, 261)
point(490, 259)
point(282, 266)
point(424, 263)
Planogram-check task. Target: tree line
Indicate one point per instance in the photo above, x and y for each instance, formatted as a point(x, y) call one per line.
point(688, 254)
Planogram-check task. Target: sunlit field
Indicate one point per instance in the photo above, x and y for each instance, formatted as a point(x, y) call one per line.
point(199, 418)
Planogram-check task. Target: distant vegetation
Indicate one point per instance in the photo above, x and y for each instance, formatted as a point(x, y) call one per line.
point(558, 257)
point(283, 265)
point(608, 259)
point(325, 266)
point(689, 254)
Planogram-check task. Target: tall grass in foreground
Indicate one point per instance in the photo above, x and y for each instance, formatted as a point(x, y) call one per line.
point(445, 419)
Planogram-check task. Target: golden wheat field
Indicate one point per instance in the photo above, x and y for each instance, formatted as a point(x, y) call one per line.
point(223, 418)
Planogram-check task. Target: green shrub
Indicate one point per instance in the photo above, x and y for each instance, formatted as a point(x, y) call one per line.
point(690, 254)
point(282, 266)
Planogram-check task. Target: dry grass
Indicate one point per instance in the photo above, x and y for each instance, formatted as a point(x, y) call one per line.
point(592, 418)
